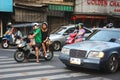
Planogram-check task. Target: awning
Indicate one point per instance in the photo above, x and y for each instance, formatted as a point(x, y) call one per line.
point(60, 7)
point(29, 5)
point(24, 25)
point(88, 17)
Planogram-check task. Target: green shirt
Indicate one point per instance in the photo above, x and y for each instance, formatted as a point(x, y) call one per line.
point(38, 37)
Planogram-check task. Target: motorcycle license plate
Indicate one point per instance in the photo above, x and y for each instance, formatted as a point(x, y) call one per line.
point(75, 61)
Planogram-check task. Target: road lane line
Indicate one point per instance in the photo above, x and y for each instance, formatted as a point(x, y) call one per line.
point(6, 59)
point(18, 65)
point(96, 78)
point(57, 76)
point(7, 62)
point(2, 57)
point(27, 68)
point(33, 73)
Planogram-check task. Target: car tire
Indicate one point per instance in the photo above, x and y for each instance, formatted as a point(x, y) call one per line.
point(56, 46)
point(112, 64)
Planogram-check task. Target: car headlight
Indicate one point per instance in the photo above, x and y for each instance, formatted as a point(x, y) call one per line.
point(96, 54)
point(65, 51)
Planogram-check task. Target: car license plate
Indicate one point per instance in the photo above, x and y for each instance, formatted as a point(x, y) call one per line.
point(75, 60)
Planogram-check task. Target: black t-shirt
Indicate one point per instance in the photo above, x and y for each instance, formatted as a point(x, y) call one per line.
point(44, 35)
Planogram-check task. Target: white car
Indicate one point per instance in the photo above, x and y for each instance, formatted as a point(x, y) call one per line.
point(59, 36)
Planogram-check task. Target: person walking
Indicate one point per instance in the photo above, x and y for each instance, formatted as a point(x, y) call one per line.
point(38, 39)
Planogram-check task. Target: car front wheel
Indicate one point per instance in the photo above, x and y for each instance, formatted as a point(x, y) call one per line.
point(112, 64)
point(56, 46)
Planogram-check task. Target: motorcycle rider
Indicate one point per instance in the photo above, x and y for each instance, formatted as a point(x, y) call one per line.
point(80, 34)
point(38, 39)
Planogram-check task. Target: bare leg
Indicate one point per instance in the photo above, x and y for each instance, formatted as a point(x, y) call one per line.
point(37, 54)
point(44, 48)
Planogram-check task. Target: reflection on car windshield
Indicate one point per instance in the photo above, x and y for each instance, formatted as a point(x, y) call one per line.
point(105, 35)
point(60, 30)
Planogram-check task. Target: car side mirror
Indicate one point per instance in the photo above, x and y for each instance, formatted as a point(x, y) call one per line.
point(112, 40)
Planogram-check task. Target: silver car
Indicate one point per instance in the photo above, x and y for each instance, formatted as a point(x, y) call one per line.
point(59, 36)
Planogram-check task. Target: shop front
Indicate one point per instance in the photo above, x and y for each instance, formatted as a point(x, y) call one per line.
point(6, 10)
point(96, 12)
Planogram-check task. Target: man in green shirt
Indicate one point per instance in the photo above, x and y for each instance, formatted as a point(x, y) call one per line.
point(38, 40)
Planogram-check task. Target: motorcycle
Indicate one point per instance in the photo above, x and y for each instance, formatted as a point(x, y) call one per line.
point(24, 52)
point(7, 40)
point(71, 38)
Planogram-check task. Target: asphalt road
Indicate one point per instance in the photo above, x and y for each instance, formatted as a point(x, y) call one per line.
point(46, 70)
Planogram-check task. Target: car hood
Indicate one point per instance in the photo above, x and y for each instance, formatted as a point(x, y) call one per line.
point(93, 45)
point(54, 36)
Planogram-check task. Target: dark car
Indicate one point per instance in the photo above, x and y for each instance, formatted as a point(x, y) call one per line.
point(101, 50)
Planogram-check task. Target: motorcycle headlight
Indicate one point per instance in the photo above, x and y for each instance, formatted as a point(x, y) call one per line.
point(96, 54)
point(65, 51)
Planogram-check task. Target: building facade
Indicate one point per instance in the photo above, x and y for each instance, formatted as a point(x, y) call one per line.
point(55, 12)
point(97, 12)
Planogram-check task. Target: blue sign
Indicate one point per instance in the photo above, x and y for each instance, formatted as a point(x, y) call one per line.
point(6, 5)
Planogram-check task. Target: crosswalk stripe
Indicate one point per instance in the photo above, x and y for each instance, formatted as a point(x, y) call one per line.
point(8, 62)
point(96, 78)
point(2, 57)
point(8, 49)
point(33, 73)
point(6, 59)
point(18, 64)
point(26, 68)
point(57, 76)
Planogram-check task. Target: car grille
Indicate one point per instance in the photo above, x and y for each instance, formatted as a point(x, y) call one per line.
point(77, 53)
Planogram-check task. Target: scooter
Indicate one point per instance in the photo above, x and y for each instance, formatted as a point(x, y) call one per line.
point(7, 41)
point(24, 52)
point(71, 38)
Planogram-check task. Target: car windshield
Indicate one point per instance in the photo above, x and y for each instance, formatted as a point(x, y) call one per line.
point(104, 35)
point(59, 31)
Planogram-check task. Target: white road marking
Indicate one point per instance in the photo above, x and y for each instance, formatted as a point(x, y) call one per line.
point(18, 64)
point(26, 68)
point(57, 76)
point(33, 73)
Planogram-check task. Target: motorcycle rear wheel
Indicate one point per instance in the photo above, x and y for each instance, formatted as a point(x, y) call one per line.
point(5, 44)
point(50, 56)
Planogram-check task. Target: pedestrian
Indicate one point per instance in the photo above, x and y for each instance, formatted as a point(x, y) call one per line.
point(80, 34)
point(38, 39)
point(45, 38)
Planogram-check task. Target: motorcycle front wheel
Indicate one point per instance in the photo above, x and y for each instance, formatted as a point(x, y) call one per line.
point(19, 56)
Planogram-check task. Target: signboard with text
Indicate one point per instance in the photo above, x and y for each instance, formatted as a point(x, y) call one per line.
point(111, 7)
point(6, 5)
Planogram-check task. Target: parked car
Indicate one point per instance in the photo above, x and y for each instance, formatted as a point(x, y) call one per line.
point(59, 36)
point(101, 50)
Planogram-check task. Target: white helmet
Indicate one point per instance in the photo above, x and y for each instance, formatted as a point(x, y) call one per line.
point(36, 25)
point(9, 23)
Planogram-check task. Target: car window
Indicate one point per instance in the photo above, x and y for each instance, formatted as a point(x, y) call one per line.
point(60, 30)
point(70, 30)
point(87, 31)
point(105, 35)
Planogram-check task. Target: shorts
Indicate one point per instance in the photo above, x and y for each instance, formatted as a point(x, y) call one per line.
point(39, 45)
